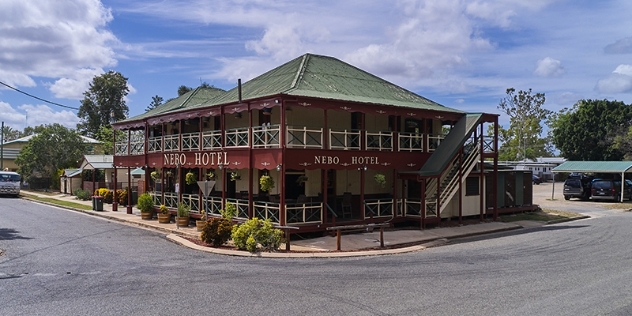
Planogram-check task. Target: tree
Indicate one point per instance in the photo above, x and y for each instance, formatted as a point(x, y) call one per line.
point(104, 101)
point(56, 147)
point(183, 89)
point(32, 130)
point(9, 134)
point(523, 139)
point(106, 137)
point(589, 131)
point(156, 101)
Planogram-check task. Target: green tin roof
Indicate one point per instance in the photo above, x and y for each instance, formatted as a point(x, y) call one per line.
point(188, 100)
point(594, 166)
point(326, 77)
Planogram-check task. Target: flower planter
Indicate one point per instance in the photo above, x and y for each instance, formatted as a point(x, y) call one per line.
point(146, 215)
point(199, 224)
point(183, 221)
point(164, 218)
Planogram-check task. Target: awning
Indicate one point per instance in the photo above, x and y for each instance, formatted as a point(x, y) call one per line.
point(594, 166)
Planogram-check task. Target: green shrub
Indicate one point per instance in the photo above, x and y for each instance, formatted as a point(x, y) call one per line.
point(229, 211)
point(83, 195)
point(216, 231)
point(122, 195)
point(256, 232)
point(184, 210)
point(145, 203)
point(108, 197)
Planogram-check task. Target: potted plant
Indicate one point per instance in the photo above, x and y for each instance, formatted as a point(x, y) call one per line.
point(199, 224)
point(163, 216)
point(380, 179)
point(189, 178)
point(210, 175)
point(155, 175)
point(146, 206)
point(184, 211)
point(266, 182)
point(301, 180)
point(234, 176)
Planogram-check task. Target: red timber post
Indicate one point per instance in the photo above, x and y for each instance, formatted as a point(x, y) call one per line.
point(162, 166)
point(394, 207)
point(222, 124)
point(201, 170)
point(129, 190)
point(282, 212)
point(114, 203)
point(325, 142)
point(481, 183)
point(422, 209)
point(178, 165)
point(363, 167)
point(251, 165)
point(395, 125)
point(146, 147)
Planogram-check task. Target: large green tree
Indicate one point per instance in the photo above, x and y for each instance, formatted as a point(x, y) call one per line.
point(104, 101)
point(55, 147)
point(589, 131)
point(523, 139)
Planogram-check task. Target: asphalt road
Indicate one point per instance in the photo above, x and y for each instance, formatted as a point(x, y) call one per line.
point(59, 262)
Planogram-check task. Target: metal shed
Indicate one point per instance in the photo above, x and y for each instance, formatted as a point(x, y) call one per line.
point(618, 167)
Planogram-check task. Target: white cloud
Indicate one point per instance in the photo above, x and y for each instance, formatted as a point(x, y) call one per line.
point(53, 39)
point(42, 114)
point(34, 115)
point(549, 67)
point(73, 88)
point(431, 35)
point(620, 81)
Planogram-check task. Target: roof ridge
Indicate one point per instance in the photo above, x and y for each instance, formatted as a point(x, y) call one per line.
point(300, 71)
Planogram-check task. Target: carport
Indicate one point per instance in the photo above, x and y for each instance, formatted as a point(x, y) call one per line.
point(617, 167)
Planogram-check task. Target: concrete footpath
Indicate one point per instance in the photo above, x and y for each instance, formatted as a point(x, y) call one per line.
point(357, 244)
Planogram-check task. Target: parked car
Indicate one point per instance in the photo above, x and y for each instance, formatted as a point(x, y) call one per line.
point(577, 188)
point(610, 190)
point(536, 179)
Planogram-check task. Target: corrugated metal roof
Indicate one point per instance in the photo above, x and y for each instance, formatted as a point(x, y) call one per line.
point(188, 100)
point(594, 166)
point(97, 162)
point(25, 139)
point(138, 171)
point(327, 78)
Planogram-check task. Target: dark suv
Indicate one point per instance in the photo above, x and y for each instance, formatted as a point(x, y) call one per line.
point(610, 190)
point(577, 188)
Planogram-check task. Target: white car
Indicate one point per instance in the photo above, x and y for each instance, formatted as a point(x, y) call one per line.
point(10, 183)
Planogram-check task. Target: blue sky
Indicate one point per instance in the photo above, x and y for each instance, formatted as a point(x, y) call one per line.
point(461, 53)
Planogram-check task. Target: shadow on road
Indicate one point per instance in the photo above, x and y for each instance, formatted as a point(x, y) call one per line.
point(10, 234)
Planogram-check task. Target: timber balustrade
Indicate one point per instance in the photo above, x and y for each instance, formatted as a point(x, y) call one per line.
point(269, 137)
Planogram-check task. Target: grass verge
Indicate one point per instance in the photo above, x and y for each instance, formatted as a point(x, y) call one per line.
point(57, 202)
point(541, 216)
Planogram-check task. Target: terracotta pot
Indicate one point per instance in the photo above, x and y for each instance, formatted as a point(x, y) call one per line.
point(183, 221)
point(146, 215)
point(200, 225)
point(164, 218)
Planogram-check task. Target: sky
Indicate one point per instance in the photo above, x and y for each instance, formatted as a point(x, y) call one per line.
point(463, 54)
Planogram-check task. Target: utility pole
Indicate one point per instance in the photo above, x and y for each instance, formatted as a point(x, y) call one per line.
point(2, 147)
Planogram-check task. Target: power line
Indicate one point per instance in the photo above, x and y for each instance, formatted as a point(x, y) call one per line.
point(32, 96)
